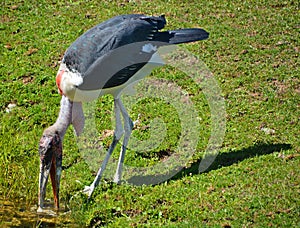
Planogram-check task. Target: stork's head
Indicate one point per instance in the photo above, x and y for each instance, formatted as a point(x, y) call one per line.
point(50, 151)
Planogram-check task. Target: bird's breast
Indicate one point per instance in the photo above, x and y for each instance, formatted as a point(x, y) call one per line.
point(67, 81)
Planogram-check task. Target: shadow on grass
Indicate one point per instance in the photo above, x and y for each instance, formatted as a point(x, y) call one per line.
point(222, 160)
point(232, 157)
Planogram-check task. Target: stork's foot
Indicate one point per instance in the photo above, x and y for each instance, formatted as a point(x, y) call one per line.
point(88, 190)
point(137, 122)
point(117, 179)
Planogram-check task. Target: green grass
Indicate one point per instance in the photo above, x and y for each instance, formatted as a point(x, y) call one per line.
point(253, 52)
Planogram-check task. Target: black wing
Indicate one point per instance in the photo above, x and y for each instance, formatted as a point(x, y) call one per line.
point(110, 53)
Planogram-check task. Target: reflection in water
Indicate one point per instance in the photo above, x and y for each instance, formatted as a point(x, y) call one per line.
point(18, 215)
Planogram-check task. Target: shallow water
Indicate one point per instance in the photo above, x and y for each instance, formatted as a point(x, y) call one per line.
point(18, 215)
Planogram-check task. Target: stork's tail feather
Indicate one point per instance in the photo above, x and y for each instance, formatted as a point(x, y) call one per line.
point(182, 35)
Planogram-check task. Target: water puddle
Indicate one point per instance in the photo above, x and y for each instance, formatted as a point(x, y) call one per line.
point(18, 215)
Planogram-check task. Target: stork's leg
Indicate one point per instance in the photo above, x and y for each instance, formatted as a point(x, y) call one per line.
point(128, 125)
point(117, 135)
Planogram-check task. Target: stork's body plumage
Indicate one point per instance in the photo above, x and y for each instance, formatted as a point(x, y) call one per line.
point(106, 59)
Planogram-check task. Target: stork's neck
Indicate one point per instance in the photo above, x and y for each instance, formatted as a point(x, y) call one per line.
point(64, 118)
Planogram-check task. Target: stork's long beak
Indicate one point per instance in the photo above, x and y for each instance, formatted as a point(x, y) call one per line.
point(50, 150)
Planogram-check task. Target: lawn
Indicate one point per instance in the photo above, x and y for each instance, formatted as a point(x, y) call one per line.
point(253, 181)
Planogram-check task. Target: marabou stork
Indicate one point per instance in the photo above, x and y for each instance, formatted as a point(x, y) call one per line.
point(104, 60)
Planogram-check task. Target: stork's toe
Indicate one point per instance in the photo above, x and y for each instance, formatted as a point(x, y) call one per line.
point(88, 190)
